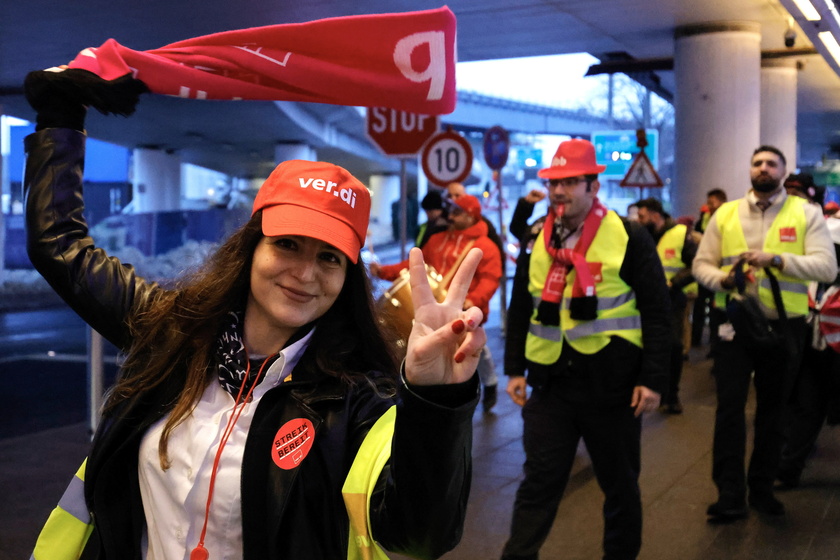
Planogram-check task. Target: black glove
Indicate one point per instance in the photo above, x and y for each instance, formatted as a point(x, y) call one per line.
point(61, 98)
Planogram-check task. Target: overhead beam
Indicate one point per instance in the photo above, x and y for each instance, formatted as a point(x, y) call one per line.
point(627, 66)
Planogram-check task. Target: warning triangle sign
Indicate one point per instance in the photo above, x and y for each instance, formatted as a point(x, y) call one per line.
point(641, 173)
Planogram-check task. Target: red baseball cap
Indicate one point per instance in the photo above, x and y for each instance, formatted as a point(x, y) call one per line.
point(315, 199)
point(573, 158)
point(469, 204)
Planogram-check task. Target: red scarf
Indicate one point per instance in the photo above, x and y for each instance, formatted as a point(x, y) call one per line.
point(564, 259)
point(401, 61)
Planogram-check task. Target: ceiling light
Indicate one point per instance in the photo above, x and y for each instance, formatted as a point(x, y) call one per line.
point(831, 44)
point(808, 10)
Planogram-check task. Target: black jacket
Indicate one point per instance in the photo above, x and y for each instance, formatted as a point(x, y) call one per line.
point(609, 376)
point(419, 504)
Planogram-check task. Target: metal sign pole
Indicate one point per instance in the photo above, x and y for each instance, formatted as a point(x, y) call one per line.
point(503, 234)
point(403, 209)
point(95, 375)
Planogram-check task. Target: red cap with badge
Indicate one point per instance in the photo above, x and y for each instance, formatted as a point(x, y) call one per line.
point(573, 157)
point(469, 204)
point(315, 199)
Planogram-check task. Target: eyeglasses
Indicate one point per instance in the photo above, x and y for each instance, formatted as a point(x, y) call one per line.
point(566, 183)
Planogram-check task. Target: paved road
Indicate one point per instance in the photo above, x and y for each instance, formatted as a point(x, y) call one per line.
point(43, 370)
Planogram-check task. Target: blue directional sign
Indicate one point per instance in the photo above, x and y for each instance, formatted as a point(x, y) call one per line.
point(617, 149)
point(496, 147)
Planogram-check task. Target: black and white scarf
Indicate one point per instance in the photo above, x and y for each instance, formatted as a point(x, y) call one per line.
point(233, 358)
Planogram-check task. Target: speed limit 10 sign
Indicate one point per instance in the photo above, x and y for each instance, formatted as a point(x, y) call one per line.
point(447, 158)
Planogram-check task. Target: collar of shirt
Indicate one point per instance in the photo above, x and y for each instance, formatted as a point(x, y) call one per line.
point(282, 367)
point(778, 196)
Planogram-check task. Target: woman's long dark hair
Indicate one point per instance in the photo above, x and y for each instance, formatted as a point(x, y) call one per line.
point(174, 340)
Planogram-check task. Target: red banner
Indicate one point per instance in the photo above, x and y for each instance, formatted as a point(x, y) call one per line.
point(402, 61)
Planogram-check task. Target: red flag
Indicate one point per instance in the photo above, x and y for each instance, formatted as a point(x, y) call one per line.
point(402, 61)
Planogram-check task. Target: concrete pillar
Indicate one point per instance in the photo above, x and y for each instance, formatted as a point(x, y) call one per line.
point(284, 152)
point(778, 108)
point(155, 180)
point(717, 110)
point(384, 190)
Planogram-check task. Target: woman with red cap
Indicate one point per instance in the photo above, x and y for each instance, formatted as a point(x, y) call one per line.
point(259, 412)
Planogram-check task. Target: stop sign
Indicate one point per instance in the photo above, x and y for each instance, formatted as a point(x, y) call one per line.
point(399, 133)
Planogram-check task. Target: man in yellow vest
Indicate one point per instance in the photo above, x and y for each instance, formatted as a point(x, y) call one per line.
point(767, 229)
point(588, 320)
point(676, 249)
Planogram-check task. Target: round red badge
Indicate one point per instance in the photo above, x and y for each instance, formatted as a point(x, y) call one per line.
point(292, 443)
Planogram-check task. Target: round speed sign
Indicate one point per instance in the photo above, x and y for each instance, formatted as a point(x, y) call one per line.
point(447, 157)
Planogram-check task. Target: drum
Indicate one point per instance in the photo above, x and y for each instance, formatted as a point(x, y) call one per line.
point(396, 309)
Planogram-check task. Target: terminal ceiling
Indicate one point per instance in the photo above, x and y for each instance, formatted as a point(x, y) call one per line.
point(239, 138)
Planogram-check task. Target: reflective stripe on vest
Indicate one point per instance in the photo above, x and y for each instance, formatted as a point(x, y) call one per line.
point(68, 527)
point(616, 311)
point(371, 458)
point(785, 235)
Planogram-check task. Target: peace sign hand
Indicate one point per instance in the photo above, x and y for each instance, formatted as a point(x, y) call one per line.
point(446, 340)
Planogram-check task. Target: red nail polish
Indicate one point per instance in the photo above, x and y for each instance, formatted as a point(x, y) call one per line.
point(471, 323)
point(458, 326)
point(459, 357)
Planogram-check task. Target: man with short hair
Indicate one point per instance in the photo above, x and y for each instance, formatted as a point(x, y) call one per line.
point(444, 251)
point(436, 219)
point(766, 229)
point(588, 324)
point(714, 199)
point(676, 249)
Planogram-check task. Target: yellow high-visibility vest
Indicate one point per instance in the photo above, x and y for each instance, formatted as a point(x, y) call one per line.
point(786, 235)
point(616, 313)
point(670, 248)
point(68, 527)
point(358, 487)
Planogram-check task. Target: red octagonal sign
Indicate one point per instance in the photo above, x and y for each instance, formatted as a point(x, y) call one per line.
point(399, 133)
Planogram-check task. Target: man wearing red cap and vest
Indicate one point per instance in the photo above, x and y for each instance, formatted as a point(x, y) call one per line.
point(444, 251)
point(767, 229)
point(589, 321)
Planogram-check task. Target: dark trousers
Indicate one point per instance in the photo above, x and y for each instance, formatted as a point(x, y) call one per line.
point(703, 307)
point(699, 313)
point(815, 387)
point(553, 426)
point(774, 372)
point(678, 305)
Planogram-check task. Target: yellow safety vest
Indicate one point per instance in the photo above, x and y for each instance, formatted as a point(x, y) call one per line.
point(704, 220)
point(68, 527)
point(360, 483)
point(669, 249)
point(616, 314)
point(786, 235)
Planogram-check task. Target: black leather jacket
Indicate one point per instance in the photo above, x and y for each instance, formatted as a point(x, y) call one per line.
point(419, 504)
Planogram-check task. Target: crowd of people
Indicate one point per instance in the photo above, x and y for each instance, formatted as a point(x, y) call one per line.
point(779, 233)
point(263, 397)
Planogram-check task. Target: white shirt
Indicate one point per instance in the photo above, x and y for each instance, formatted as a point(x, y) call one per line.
point(174, 500)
